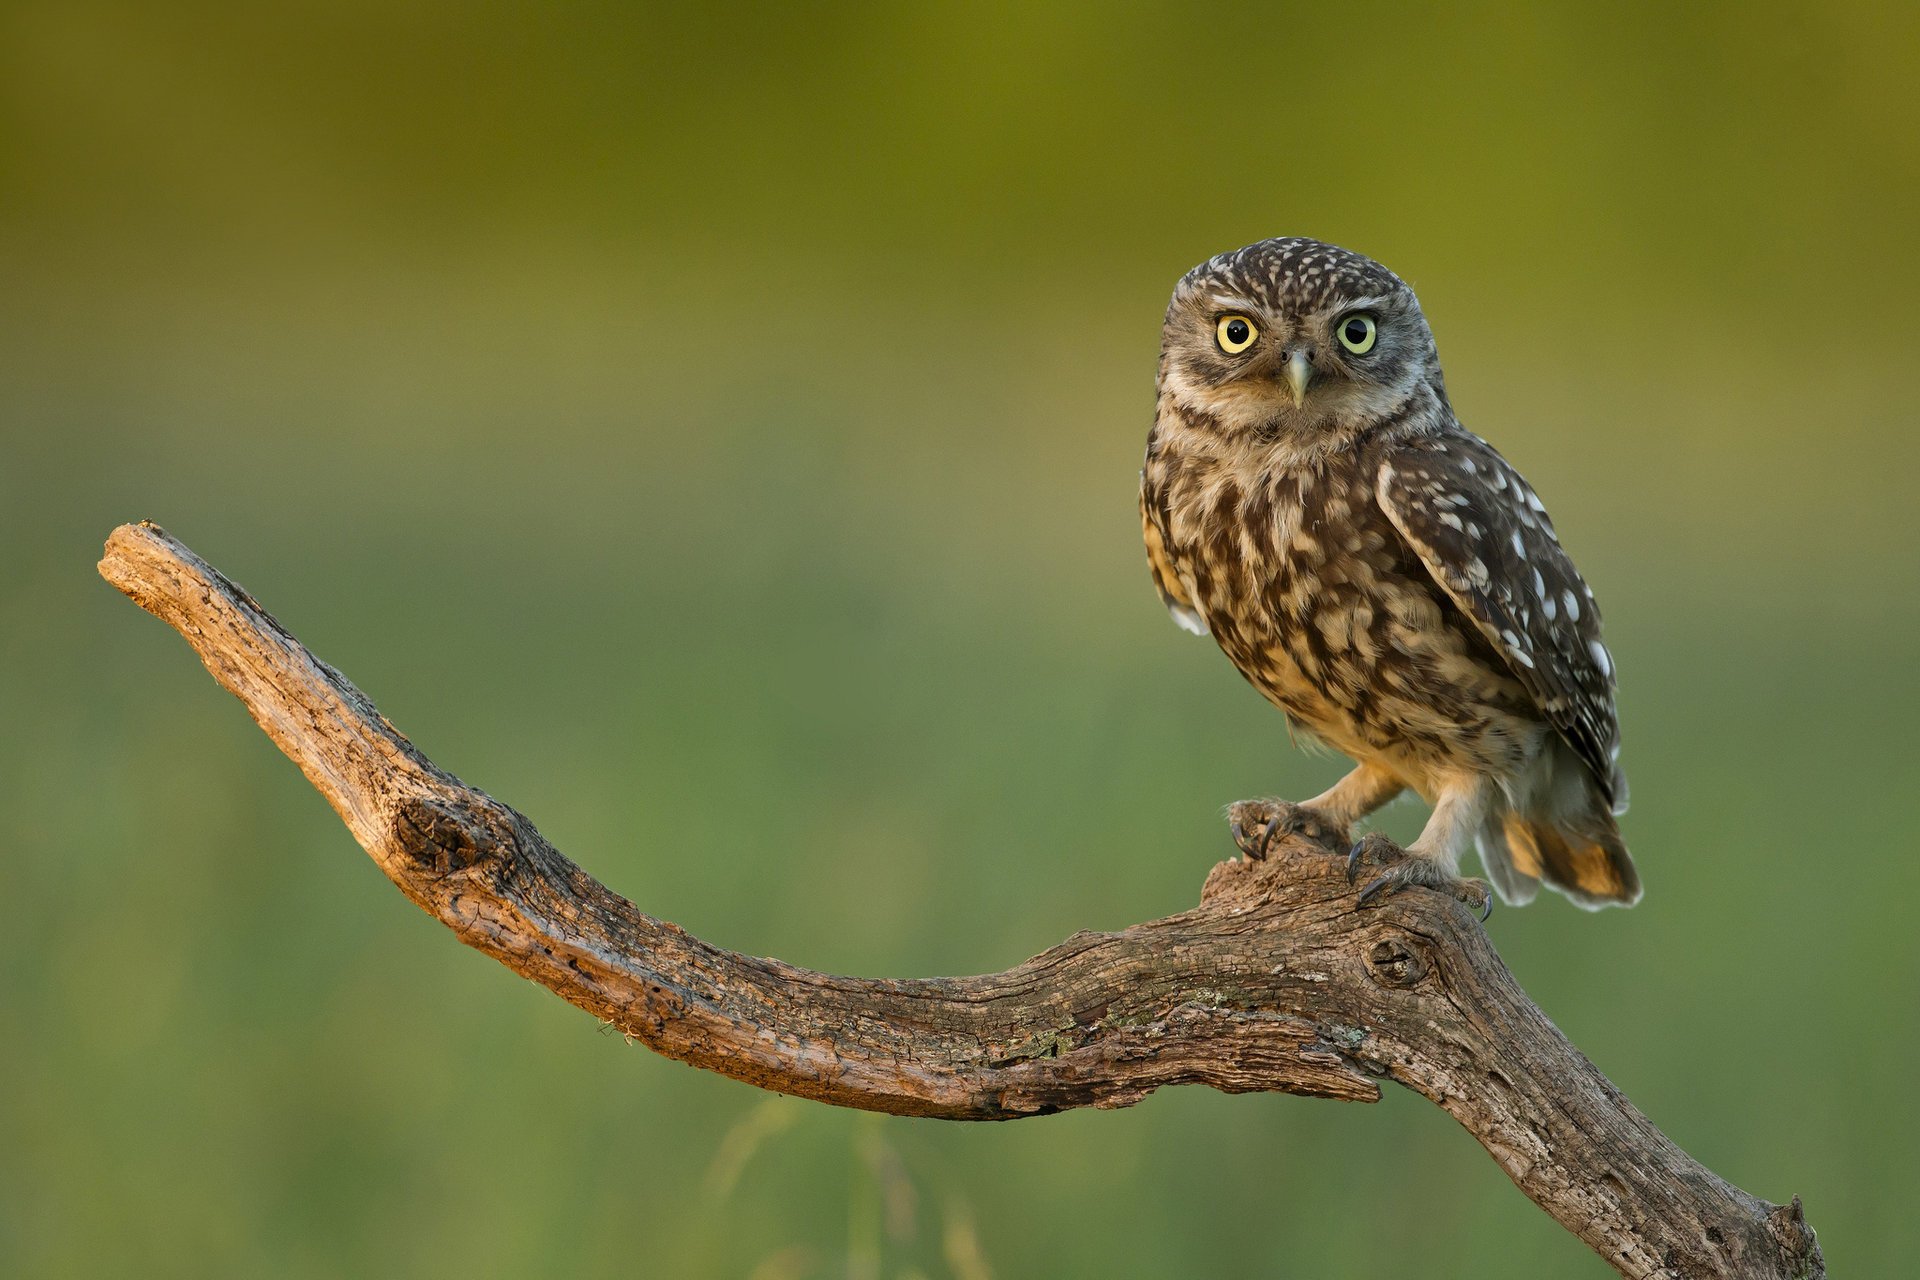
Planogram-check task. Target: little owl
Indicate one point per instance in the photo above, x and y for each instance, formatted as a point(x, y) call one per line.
point(1382, 575)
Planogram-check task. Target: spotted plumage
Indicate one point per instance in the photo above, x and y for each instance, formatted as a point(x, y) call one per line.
point(1379, 572)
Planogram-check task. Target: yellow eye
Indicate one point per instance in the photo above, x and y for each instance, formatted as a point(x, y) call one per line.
point(1235, 334)
point(1357, 333)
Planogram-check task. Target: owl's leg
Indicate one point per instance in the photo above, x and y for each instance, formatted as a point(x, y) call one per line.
point(1460, 806)
point(1327, 818)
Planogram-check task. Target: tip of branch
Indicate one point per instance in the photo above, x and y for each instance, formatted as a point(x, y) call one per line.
point(1294, 864)
point(136, 531)
point(1293, 860)
point(1787, 1223)
point(131, 546)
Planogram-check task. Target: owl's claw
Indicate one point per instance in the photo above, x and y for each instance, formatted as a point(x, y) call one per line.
point(1258, 825)
point(1375, 847)
point(1403, 869)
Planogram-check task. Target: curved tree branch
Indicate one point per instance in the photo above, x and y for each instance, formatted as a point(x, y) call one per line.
point(1274, 982)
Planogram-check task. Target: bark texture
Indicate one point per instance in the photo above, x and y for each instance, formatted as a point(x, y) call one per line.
point(1274, 982)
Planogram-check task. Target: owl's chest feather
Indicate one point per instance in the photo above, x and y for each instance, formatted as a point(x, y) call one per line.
point(1282, 563)
point(1312, 594)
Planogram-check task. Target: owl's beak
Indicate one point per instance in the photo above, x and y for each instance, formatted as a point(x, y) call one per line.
point(1299, 372)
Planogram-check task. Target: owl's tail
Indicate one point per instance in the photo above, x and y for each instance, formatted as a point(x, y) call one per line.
point(1586, 859)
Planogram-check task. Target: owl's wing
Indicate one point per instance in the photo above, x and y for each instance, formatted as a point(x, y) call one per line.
point(1486, 539)
point(1173, 593)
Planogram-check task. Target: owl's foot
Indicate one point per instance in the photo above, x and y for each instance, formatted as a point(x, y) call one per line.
point(1258, 824)
point(1402, 869)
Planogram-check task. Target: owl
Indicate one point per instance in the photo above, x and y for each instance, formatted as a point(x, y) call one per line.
point(1381, 575)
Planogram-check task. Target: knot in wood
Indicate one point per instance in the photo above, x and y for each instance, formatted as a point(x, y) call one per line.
point(1397, 962)
point(442, 834)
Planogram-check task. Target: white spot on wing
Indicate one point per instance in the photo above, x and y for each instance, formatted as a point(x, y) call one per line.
point(1573, 605)
point(1601, 657)
point(1517, 649)
point(1188, 620)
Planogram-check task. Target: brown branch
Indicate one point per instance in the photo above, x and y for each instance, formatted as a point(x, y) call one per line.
point(1276, 981)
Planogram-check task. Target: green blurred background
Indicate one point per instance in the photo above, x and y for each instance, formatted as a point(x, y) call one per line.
point(716, 433)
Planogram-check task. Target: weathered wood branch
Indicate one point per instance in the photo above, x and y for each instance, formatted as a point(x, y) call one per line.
point(1276, 981)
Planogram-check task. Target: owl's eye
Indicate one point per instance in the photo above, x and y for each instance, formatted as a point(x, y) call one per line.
point(1357, 333)
point(1235, 334)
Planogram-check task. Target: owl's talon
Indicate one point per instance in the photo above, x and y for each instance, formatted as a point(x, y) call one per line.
point(1372, 846)
point(1412, 869)
point(1255, 823)
point(1474, 892)
point(1258, 825)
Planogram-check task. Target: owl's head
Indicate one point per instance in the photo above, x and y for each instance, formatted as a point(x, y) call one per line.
point(1295, 341)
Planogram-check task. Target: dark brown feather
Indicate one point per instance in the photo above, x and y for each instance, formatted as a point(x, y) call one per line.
point(1486, 538)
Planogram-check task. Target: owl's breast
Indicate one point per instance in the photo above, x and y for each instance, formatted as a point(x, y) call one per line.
point(1317, 600)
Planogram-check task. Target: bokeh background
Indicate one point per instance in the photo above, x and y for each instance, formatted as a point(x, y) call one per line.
point(714, 429)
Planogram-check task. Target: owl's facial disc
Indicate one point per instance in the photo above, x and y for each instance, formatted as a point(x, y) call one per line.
point(1293, 343)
